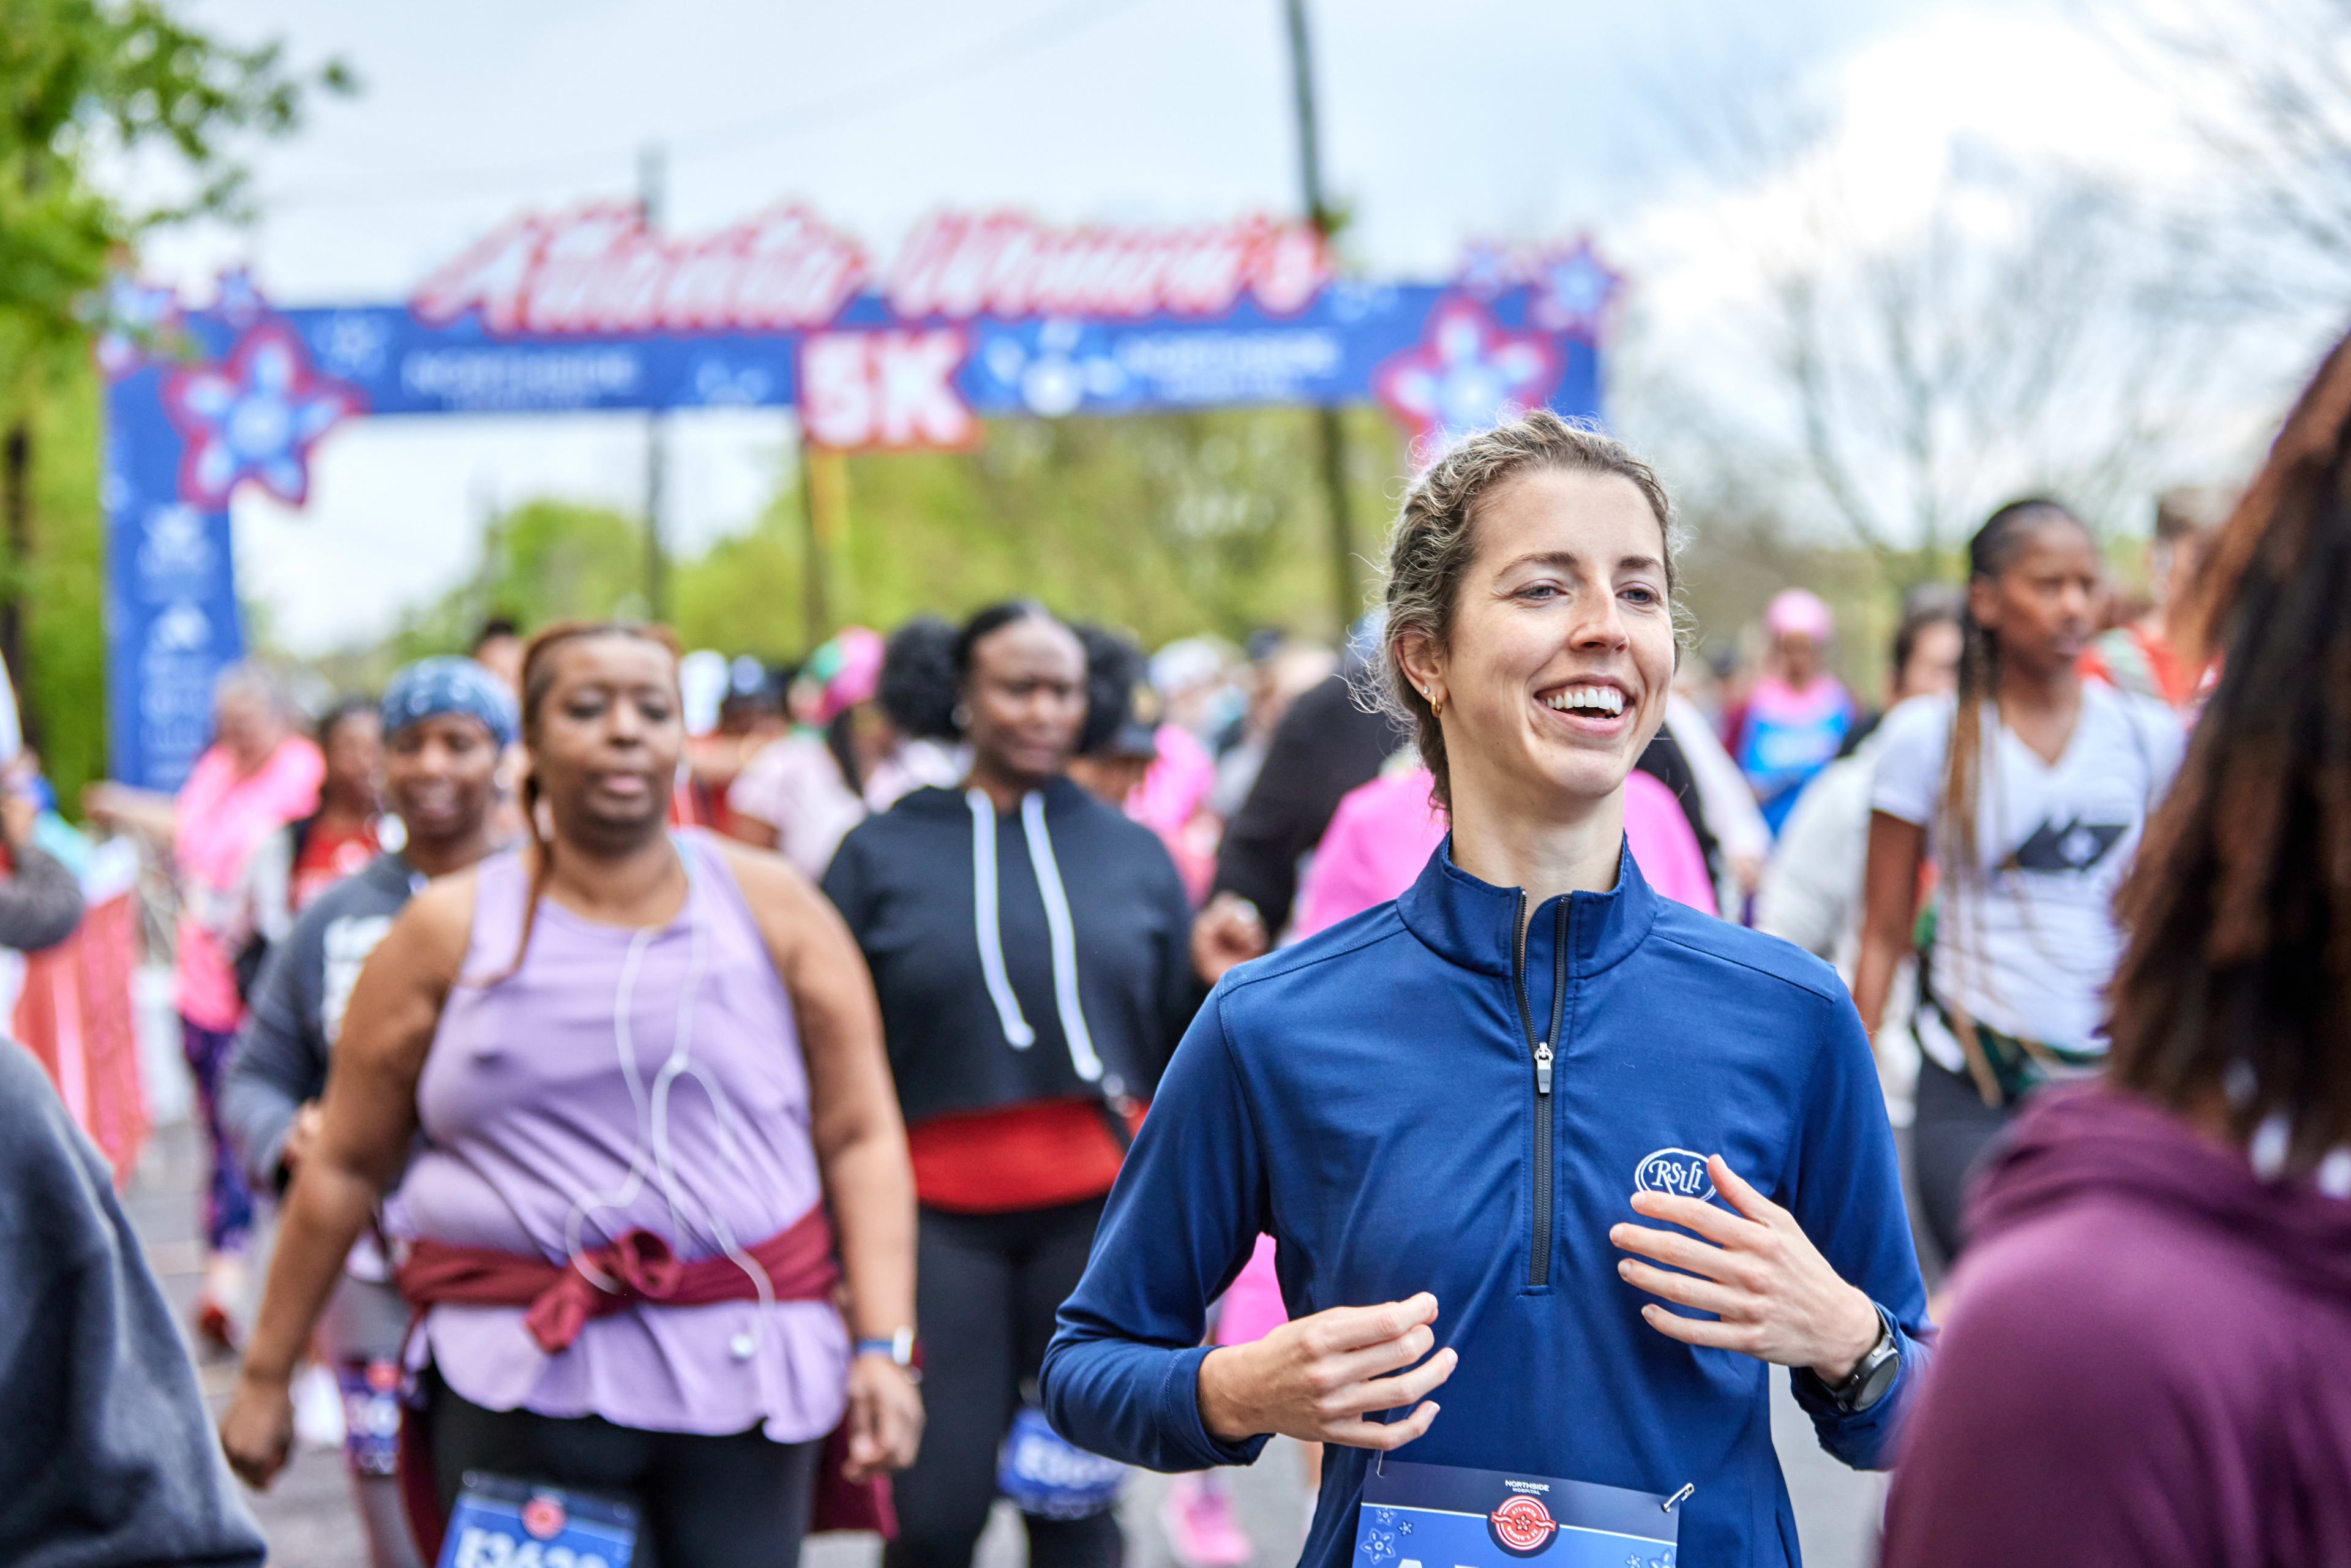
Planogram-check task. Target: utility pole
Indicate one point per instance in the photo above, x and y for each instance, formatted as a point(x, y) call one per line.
point(1347, 597)
point(652, 176)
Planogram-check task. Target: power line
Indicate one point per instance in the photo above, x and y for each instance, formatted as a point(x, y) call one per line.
point(823, 112)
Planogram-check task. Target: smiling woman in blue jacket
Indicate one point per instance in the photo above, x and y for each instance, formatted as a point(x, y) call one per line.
point(1572, 1158)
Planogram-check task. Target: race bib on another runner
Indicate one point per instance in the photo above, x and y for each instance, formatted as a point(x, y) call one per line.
point(500, 1522)
point(1436, 1516)
point(371, 1392)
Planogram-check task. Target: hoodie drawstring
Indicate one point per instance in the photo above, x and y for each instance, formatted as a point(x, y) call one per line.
point(1061, 931)
point(1064, 937)
point(984, 918)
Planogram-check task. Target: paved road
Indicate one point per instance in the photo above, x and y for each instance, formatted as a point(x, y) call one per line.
point(307, 1515)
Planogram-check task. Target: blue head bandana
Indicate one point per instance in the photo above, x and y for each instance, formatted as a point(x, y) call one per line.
point(447, 685)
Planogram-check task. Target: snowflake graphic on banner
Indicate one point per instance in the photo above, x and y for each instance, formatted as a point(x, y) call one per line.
point(1573, 289)
point(1467, 372)
point(133, 317)
point(255, 415)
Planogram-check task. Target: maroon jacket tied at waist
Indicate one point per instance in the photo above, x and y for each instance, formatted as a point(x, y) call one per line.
point(639, 1266)
point(800, 1268)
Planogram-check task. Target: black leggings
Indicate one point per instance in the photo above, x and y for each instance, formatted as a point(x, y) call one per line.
point(986, 1289)
point(1949, 1134)
point(734, 1501)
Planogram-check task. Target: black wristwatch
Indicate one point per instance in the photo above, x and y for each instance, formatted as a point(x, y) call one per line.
point(1873, 1374)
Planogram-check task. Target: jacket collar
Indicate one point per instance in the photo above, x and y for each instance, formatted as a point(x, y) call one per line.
point(1473, 923)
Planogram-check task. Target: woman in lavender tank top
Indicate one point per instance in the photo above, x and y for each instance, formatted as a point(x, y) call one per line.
point(622, 1080)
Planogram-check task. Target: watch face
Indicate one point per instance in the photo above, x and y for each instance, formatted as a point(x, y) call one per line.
point(1878, 1379)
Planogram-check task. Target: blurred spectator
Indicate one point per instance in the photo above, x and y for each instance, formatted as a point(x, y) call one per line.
point(2029, 790)
point(499, 648)
point(108, 1460)
point(2142, 657)
point(1326, 745)
point(918, 695)
point(448, 721)
point(291, 867)
point(255, 777)
point(1724, 803)
point(1193, 676)
point(1812, 891)
point(1118, 743)
point(801, 792)
point(40, 898)
point(1795, 715)
point(1284, 672)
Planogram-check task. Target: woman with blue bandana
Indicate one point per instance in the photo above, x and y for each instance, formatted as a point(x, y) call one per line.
point(446, 724)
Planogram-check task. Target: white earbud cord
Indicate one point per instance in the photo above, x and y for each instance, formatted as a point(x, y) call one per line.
point(652, 1118)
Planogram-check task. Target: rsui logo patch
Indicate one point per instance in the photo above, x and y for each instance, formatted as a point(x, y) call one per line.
point(1681, 1172)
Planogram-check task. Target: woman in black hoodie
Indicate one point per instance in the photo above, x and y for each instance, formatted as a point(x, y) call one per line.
point(1028, 944)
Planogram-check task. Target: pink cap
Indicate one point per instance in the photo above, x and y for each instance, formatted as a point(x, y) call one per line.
point(850, 667)
point(1799, 612)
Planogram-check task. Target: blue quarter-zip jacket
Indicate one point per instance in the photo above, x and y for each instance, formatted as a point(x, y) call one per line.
point(1370, 1099)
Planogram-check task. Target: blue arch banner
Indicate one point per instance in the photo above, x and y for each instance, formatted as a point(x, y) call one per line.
point(976, 316)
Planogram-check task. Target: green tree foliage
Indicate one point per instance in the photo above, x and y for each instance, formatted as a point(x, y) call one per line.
point(81, 80)
point(1167, 525)
point(546, 560)
point(86, 83)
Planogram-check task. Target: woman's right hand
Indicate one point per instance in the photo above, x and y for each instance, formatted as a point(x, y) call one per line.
point(1316, 1378)
point(258, 1429)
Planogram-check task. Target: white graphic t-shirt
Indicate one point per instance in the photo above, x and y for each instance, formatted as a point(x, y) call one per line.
point(2028, 945)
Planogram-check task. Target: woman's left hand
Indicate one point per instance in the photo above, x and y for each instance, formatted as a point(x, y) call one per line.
point(885, 1417)
point(1776, 1297)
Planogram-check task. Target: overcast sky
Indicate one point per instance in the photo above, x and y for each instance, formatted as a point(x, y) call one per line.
point(1443, 122)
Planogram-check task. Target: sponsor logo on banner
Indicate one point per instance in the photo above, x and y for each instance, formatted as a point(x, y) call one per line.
point(1679, 1172)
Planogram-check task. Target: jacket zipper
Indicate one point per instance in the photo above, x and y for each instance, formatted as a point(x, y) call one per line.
point(1539, 1253)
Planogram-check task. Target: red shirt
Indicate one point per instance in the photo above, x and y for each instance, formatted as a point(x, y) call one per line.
point(330, 854)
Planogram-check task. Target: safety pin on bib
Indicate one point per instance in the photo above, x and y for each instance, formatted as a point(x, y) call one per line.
point(1667, 1506)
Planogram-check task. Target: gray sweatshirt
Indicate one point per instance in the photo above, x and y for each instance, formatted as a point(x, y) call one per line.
point(281, 1061)
point(107, 1457)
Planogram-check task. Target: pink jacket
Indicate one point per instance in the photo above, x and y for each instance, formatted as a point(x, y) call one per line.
point(1384, 831)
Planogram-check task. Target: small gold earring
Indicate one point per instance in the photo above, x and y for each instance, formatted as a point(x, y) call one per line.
point(1437, 707)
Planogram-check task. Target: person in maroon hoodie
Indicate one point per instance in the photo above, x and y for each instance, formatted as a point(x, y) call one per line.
point(2147, 1360)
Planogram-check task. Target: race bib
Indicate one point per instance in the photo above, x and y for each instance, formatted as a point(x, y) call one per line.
point(1436, 1516)
point(500, 1522)
point(371, 1392)
point(1051, 1478)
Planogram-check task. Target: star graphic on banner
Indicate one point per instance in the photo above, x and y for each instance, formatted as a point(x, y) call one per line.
point(255, 415)
point(1467, 372)
point(1573, 289)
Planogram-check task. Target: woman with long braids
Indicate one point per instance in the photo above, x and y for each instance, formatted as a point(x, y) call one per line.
point(2029, 790)
point(1029, 944)
point(1556, 1168)
point(643, 1079)
point(2145, 1361)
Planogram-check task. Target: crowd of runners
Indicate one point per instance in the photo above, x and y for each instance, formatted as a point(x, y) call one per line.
point(730, 1103)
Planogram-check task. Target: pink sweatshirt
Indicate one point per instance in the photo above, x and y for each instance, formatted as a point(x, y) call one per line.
point(1384, 831)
